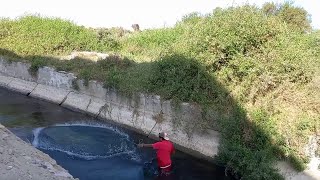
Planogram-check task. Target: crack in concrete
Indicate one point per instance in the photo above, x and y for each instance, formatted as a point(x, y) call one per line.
point(88, 105)
point(65, 98)
point(9, 82)
point(28, 94)
point(100, 110)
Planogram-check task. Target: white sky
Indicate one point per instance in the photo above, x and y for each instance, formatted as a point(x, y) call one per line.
point(146, 13)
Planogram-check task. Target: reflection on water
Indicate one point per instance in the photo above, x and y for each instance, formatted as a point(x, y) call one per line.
point(88, 149)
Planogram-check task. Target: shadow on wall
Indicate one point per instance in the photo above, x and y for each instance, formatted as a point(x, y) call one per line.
point(246, 149)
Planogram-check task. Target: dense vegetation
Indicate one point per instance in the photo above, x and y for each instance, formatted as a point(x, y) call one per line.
point(255, 72)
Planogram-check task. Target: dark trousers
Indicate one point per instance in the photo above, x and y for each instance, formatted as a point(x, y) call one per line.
point(165, 173)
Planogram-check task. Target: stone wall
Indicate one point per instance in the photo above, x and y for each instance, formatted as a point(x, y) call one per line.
point(141, 113)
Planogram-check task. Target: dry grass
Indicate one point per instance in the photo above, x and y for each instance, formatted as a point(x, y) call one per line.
point(295, 111)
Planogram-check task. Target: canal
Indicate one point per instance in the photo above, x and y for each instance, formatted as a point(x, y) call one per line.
point(91, 149)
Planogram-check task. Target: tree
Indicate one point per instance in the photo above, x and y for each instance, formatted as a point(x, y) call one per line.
point(269, 8)
point(295, 17)
point(191, 18)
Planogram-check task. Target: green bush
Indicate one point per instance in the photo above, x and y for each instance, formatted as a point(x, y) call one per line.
point(177, 77)
point(295, 17)
point(109, 38)
point(150, 44)
point(218, 37)
point(34, 35)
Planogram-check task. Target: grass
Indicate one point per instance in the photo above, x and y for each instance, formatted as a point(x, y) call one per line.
point(256, 80)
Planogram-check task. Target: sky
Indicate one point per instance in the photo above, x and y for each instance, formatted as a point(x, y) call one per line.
point(124, 13)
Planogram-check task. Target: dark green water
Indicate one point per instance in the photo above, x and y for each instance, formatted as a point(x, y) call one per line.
point(91, 149)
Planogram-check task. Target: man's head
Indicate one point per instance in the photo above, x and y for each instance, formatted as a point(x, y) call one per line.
point(163, 136)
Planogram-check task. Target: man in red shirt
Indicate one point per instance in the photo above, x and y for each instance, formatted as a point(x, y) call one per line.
point(164, 150)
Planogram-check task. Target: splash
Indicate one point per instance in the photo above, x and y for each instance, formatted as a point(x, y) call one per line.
point(124, 147)
point(36, 133)
point(88, 156)
point(96, 125)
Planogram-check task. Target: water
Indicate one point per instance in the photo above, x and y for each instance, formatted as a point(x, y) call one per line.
point(90, 149)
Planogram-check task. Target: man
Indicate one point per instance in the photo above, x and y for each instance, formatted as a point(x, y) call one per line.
point(164, 150)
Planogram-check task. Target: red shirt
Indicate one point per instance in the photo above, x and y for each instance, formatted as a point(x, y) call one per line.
point(164, 150)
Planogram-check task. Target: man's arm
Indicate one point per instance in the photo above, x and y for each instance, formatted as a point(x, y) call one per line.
point(145, 145)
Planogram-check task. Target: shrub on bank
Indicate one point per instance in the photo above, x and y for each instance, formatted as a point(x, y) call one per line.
point(35, 35)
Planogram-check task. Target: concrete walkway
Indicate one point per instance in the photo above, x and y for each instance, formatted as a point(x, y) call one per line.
point(21, 161)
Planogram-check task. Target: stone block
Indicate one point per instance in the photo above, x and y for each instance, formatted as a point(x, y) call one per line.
point(206, 143)
point(117, 98)
point(5, 80)
point(202, 143)
point(21, 86)
point(152, 103)
point(144, 122)
point(16, 69)
point(166, 107)
point(49, 93)
point(48, 76)
point(77, 101)
point(94, 89)
point(122, 115)
point(95, 106)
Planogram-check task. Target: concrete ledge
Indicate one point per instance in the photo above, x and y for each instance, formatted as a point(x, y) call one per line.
point(4, 80)
point(19, 160)
point(21, 86)
point(76, 101)
point(49, 93)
